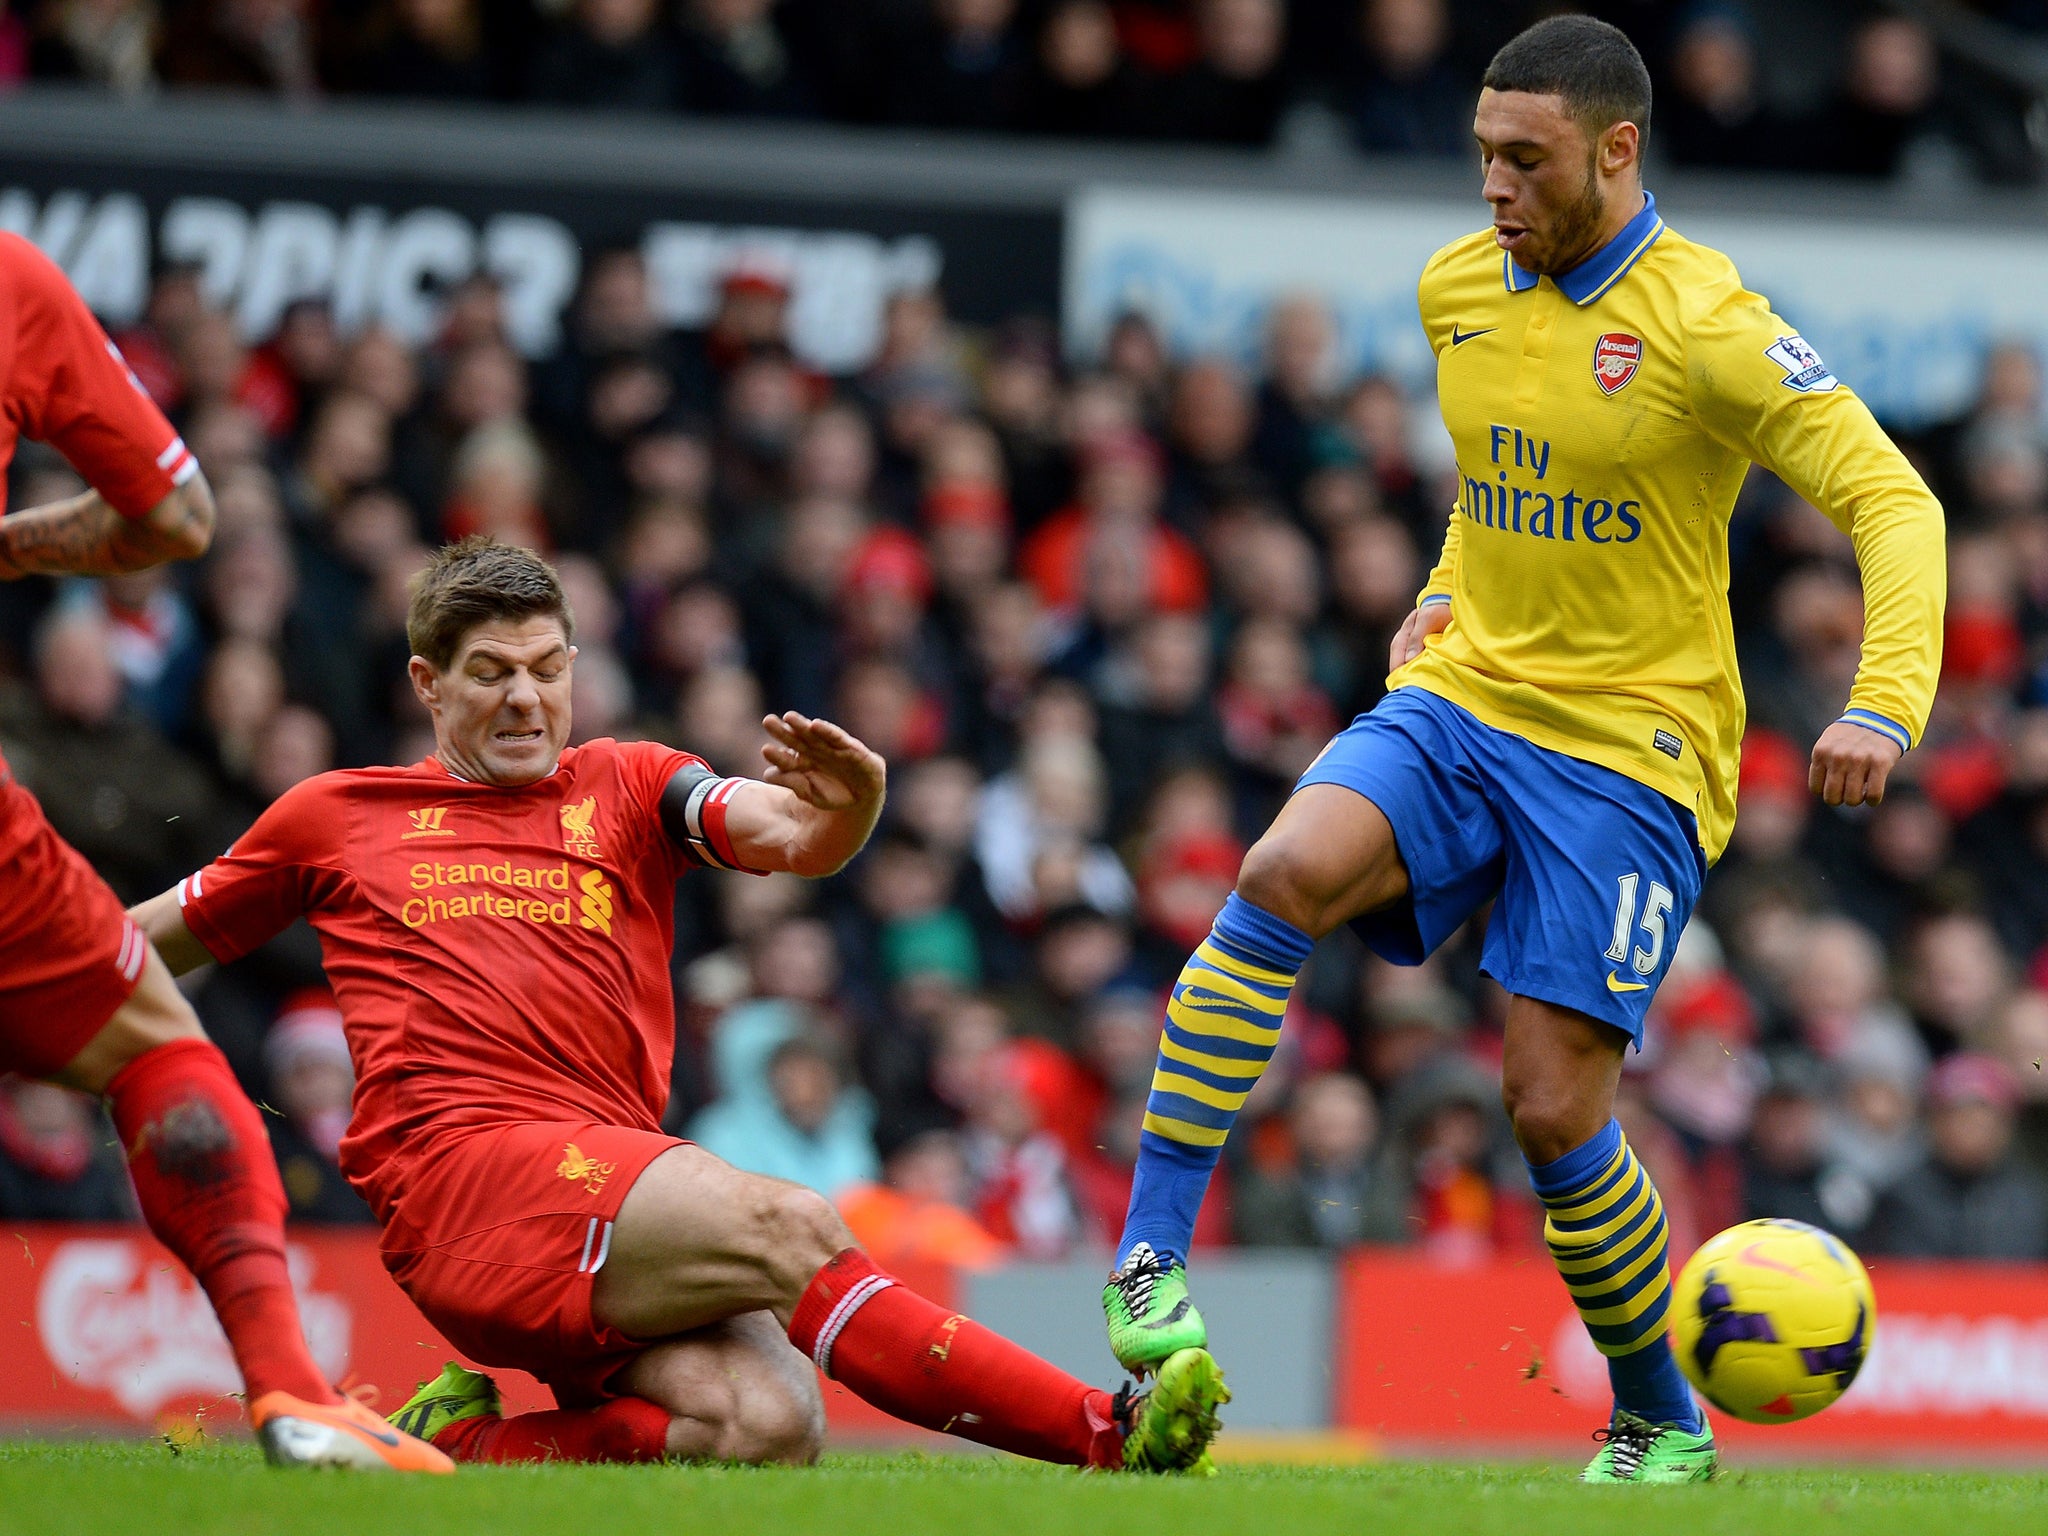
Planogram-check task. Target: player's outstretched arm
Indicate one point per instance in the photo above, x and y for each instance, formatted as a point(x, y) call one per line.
point(809, 814)
point(162, 922)
point(85, 536)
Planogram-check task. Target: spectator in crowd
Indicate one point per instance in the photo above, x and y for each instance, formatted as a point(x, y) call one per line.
point(110, 43)
point(1886, 103)
point(1081, 83)
point(1326, 1197)
point(965, 68)
point(1410, 97)
point(1235, 89)
point(312, 1082)
point(432, 49)
point(242, 45)
point(1973, 1199)
point(737, 61)
point(783, 1107)
point(1022, 1192)
point(113, 787)
point(918, 1214)
point(59, 1159)
point(1786, 1173)
point(609, 54)
point(1715, 114)
point(1296, 404)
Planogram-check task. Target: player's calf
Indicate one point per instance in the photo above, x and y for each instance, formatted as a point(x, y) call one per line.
point(203, 1174)
point(738, 1391)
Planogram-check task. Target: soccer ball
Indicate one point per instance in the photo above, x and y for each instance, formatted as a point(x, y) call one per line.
point(1772, 1320)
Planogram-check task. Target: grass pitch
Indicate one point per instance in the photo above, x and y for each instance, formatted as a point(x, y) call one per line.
point(117, 1488)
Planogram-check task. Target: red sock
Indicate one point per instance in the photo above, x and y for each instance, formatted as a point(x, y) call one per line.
point(943, 1371)
point(210, 1192)
point(625, 1429)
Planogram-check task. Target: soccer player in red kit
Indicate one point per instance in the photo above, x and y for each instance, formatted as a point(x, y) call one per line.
point(497, 923)
point(84, 1000)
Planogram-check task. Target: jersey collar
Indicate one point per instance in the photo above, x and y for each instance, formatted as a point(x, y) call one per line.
point(435, 759)
point(1601, 270)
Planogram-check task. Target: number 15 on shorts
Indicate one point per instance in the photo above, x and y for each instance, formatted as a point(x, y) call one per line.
point(1623, 949)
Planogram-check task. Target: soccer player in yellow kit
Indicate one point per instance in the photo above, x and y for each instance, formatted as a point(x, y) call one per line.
point(1565, 719)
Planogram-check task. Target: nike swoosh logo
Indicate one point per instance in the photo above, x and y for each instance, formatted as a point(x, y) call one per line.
point(1208, 1001)
point(1459, 338)
point(1755, 1255)
point(1180, 1310)
point(1616, 984)
point(381, 1436)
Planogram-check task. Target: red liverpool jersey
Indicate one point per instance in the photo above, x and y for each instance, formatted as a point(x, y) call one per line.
point(63, 383)
point(499, 954)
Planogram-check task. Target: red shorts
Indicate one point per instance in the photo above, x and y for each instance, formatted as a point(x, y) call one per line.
point(69, 956)
point(498, 1233)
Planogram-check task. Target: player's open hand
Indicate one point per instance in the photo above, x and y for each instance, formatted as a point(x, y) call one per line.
point(1851, 764)
point(821, 764)
point(1429, 619)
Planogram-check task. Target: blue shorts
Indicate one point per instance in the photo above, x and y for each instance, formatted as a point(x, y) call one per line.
point(1595, 873)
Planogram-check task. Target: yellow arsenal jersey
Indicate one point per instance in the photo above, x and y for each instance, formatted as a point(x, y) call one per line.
point(1603, 422)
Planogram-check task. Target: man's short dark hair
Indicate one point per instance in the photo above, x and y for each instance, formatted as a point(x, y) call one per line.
point(478, 581)
point(1592, 65)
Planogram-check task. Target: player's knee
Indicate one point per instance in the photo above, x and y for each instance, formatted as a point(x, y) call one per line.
point(1275, 878)
point(781, 1418)
point(801, 1230)
point(815, 1225)
point(1547, 1123)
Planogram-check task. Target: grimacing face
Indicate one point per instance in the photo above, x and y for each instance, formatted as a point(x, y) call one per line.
point(501, 707)
point(1552, 184)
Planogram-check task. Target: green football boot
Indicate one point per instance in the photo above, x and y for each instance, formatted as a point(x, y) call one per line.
point(1171, 1425)
point(1637, 1451)
point(456, 1394)
point(1149, 1314)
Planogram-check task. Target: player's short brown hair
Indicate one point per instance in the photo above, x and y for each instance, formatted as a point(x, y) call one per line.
point(477, 581)
point(1588, 62)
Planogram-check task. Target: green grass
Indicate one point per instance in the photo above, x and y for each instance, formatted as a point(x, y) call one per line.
point(144, 1488)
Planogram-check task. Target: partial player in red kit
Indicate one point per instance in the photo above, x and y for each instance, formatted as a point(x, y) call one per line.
point(497, 923)
point(84, 1000)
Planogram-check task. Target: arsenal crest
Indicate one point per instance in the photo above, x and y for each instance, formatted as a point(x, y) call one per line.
point(1616, 356)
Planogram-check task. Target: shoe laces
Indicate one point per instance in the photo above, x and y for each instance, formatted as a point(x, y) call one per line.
point(1142, 1270)
point(1629, 1440)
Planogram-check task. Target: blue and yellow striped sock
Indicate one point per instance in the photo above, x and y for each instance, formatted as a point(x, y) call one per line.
point(1606, 1231)
point(1222, 1023)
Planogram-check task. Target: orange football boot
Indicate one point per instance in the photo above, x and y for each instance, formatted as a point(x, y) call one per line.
point(296, 1433)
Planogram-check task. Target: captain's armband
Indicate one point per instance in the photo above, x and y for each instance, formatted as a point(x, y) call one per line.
point(693, 808)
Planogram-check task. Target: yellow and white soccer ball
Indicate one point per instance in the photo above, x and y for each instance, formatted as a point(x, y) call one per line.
point(1772, 1320)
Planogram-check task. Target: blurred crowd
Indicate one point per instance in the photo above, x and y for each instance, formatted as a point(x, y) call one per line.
point(1097, 617)
point(1830, 86)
